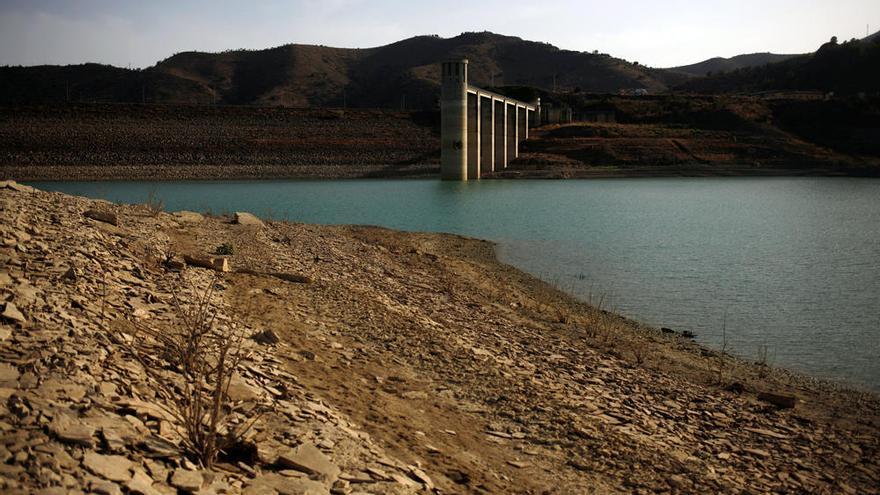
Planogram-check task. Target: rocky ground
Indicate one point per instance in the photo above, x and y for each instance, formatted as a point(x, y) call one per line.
point(387, 362)
point(583, 150)
point(179, 142)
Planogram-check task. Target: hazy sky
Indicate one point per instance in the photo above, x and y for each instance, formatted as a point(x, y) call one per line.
point(660, 34)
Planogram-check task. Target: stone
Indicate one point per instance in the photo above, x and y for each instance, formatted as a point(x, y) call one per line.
point(103, 487)
point(244, 218)
point(15, 186)
point(69, 275)
point(781, 401)
point(11, 313)
point(175, 264)
point(415, 395)
point(187, 480)
point(142, 408)
point(8, 376)
point(71, 430)
point(5, 332)
point(308, 459)
point(102, 216)
point(266, 337)
point(240, 390)
point(111, 467)
point(757, 452)
point(159, 447)
point(420, 476)
point(217, 264)
point(188, 217)
point(141, 484)
point(283, 485)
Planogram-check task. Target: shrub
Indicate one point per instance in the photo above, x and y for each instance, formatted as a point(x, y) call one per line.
point(225, 249)
point(192, 364)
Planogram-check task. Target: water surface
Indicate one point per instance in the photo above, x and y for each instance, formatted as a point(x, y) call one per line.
point(790, 264)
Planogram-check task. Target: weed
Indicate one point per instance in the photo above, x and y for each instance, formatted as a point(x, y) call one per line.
point(154, 203)
point(225, 249)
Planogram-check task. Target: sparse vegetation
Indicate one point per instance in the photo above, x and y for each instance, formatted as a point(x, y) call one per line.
point(154, 203)
point(193, 362)
point(225, 249)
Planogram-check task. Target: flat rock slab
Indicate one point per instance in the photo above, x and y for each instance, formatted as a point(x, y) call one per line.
point(102, 216)
point(15, 186)
point(8, 375)
point(283, 485)
point(71, 430)
point(187, 480)
point(244, 218)
point(111, 467)
point(308, 459)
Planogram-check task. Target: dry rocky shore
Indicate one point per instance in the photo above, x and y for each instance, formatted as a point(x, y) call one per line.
point(182, 142)
point(385, 362)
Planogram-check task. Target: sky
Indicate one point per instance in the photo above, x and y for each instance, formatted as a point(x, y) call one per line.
point(658, 34)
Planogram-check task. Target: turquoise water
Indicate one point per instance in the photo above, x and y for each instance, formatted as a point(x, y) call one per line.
point(791, 264)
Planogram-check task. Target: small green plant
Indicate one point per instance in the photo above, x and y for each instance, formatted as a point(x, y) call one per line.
point(225, 249)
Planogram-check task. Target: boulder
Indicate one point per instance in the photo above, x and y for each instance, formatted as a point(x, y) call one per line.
point(244, 218)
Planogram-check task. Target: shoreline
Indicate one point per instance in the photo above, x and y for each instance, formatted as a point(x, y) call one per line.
point(186, 173)
point(478, 375)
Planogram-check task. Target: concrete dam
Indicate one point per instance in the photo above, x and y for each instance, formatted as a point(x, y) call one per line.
point(480, 131)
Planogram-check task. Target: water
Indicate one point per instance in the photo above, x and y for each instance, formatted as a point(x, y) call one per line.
point(791, 264)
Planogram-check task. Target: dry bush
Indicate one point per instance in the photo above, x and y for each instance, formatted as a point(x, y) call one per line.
point(193, 363)
point(154, 204)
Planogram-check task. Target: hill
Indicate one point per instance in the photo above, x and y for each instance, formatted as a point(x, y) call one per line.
point(402, 74)
point(721, 64)
point(850, 67)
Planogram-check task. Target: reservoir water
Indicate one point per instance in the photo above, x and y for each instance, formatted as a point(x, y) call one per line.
point(790, 264)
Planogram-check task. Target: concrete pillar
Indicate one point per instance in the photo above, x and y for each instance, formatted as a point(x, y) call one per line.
point(510, 134)
point(536, 122)
point(473, 137)
point(522, 127)
point(453, 120)
point(499, 109)
point(487, 135)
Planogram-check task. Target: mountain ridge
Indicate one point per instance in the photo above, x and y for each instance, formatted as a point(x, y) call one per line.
point(397, 75)
point(725, 64)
